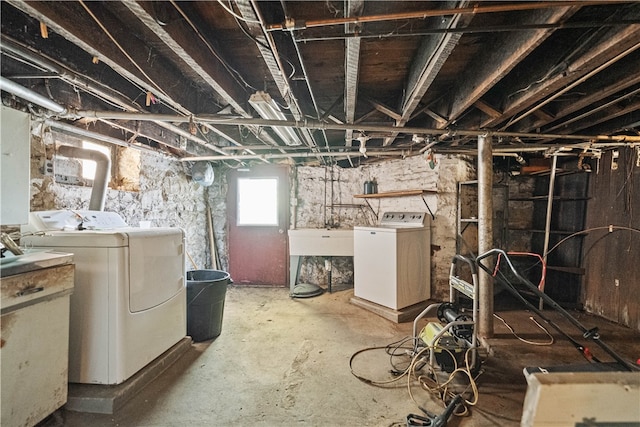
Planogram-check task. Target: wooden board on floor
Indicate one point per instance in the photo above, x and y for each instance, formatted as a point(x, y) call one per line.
point(407, 314)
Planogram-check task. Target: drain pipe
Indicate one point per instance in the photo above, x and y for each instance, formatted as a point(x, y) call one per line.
point(31, 96)
point(100, 181)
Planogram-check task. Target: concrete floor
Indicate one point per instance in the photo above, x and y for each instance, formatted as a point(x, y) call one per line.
point(283, 361)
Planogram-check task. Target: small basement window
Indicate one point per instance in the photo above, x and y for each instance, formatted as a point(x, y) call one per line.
point(258, 201)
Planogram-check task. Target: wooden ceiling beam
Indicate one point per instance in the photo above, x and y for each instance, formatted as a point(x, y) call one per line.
point(73, 23)
point(605, 116)
point(491, 66)
point(620, 79)
point(612, 45)
point(267, 47)
point(352, 68)
point(489, 110)
point(196, 53)
point(431, 56)
point(264, 43)
point(387, 111)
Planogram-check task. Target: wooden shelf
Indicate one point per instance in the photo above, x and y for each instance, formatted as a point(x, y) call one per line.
point(532, 230)
point(470, 220)
point(545, 198)
point(400, 193)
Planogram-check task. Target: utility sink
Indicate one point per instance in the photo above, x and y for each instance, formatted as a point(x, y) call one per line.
point(321, 242)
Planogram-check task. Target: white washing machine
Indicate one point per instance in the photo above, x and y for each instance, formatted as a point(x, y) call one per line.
point(129, 301)
point(392, 261)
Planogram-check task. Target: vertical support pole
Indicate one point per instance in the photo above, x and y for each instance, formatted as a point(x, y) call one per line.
point(547, 224)
point(485, 233)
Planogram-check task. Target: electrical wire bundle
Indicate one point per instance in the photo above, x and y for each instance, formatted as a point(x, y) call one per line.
point(418, 372)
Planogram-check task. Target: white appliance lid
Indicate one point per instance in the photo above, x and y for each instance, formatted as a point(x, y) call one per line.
point(95, 238)
point(69, 219)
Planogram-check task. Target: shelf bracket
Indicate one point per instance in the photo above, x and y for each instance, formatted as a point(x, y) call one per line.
point(433, 218)
point(371, 209)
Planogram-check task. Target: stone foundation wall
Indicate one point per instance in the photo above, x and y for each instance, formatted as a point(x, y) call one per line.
point(165, 195)
point(324, 198)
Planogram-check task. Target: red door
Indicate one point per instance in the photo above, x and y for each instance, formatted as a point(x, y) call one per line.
point(258, 209)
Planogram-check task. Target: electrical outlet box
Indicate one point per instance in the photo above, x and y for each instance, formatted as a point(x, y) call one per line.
point(615, 155)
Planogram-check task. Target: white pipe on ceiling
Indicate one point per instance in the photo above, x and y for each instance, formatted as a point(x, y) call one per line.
point(31, 96)
point(314, 124)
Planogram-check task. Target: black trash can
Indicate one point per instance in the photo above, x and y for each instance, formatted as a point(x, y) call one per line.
point(206, 290)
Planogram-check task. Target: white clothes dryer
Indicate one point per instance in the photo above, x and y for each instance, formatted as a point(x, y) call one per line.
point(129, 300)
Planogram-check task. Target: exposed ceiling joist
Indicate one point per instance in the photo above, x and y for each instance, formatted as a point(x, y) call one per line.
point(491, 66)
point(618, 81)
point(351, 68)
point(613, 44)
point(526, 68)
point(198, 55)
point(430, 58)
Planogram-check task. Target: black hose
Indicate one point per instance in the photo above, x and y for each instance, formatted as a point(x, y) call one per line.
point(591, 334)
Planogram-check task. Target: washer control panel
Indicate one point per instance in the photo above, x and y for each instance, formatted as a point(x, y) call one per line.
point(403, 219)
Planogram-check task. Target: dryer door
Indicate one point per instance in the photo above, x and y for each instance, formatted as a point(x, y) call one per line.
point(156, 266)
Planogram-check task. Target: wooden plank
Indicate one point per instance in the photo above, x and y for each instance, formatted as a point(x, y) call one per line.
point(612, 276)
point(487, 109)
point(65, 19)
point(400, 193)
point(403, 315)
point(492, 66)
point(196, 54)
point(613, 45)
point(626, 74)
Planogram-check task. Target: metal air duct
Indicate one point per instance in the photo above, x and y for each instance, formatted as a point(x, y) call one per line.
point(100, 181)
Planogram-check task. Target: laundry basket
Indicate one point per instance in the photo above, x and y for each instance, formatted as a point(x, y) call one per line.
point(206, 291)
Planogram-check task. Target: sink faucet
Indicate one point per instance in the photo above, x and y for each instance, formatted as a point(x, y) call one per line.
point(11, 246)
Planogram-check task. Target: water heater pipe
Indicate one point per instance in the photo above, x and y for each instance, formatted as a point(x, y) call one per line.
point(100, 181)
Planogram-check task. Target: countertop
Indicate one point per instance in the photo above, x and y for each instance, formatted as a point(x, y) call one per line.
point(35, 260)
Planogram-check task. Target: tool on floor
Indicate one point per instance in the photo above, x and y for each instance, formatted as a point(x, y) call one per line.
point(432, 420)
point(454, 335)
point(590, 334)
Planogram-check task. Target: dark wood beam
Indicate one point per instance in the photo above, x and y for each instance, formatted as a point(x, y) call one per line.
point(196, 53)
point(72, 21)
point(132, 131)
point(388, 111)
point(487, 109)
point(603, 120)
point(612, 45)
point(490, 67)
point(431, 56)
point(624, 76)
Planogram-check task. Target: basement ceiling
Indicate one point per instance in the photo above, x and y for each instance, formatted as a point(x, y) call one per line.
point(355, 81)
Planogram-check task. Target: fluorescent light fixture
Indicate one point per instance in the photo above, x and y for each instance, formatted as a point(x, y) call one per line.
point(269, 110)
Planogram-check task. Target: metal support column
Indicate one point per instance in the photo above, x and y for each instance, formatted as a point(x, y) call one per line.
point(485, 233)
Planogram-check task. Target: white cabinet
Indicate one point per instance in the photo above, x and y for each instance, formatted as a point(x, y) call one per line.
point(35, 343)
